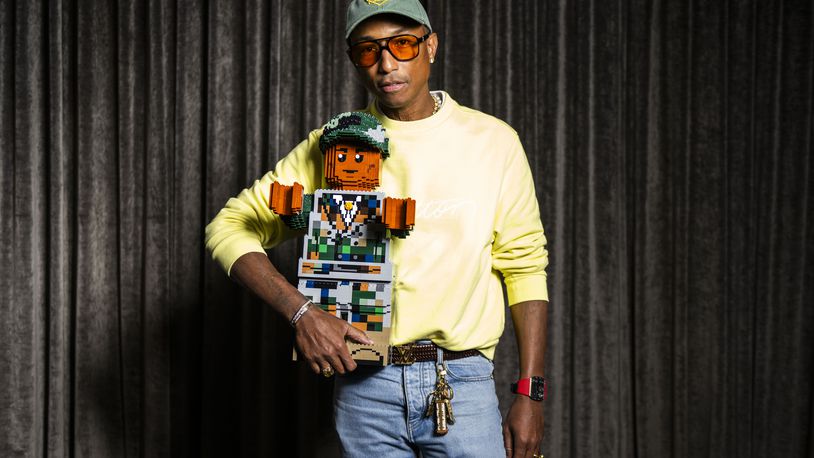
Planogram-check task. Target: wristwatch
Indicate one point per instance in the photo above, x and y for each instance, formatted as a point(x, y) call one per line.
point(534, 387)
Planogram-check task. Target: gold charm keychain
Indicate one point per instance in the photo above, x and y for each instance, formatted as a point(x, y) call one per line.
point(439, 403)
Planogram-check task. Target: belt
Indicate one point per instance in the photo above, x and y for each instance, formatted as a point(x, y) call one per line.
point(404, 355)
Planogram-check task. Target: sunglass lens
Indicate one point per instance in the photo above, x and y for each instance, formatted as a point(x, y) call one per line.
point(404, 47)
point(364, 54)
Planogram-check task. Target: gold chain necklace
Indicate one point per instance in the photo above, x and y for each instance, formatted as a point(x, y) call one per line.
point(437, 102)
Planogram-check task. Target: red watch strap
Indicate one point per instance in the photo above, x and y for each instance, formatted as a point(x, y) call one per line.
point(534, 387)
point(524, 386)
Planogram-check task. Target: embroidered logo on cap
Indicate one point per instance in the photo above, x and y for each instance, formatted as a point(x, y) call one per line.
point(377, 2)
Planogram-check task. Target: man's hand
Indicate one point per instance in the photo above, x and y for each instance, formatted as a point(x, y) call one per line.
point(523, 428)
point(320, 339)
point(285, 200)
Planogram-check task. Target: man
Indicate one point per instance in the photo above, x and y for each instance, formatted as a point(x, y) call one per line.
point(477, 223)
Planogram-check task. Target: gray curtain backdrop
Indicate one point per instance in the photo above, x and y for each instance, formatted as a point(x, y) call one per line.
point(671, 143)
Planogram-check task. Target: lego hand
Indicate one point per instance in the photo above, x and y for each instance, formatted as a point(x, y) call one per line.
point(399, 214)
point(320, 339)
point(523, 428)
point(285, 200)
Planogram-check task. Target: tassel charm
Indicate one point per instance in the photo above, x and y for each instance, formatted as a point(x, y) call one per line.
point(439, 403)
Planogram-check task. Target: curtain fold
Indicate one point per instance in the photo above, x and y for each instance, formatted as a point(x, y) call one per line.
point(671, 145)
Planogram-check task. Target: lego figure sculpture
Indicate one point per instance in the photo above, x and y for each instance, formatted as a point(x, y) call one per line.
point(344, 267)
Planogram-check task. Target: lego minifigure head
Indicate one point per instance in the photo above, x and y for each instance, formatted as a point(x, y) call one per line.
point(350, 165)
point(354, 144)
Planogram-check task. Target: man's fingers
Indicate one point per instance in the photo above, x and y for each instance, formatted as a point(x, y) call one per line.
point(347, 361)
point(357, 336)
point(524, 449)
point(507, 441)
point(330, 355)
point(341, 365)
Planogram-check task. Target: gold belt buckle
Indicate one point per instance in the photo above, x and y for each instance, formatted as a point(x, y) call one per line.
point(403, 355)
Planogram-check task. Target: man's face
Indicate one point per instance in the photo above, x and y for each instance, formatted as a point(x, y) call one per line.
point(352, 166)
point(396, 84)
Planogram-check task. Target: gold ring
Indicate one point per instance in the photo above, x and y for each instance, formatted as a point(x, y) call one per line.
point(328, 372)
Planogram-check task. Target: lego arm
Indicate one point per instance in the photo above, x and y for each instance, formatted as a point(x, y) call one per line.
point(291, 203)
point(285, 200)
point(399, 215)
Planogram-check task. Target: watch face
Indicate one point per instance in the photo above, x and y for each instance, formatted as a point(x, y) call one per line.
point(537, 389)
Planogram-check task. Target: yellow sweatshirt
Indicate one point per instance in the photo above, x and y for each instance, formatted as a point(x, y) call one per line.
point(477, 220)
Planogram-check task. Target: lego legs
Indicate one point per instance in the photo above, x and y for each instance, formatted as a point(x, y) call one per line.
point(365, 305)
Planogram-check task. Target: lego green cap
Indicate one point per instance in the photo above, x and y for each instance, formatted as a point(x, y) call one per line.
point(355, 126)
point(359, 10)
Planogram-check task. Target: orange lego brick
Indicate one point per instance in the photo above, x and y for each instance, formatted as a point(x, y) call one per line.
point(274, 197)
point(409, 216)
point(296, 197)
point(285, 200)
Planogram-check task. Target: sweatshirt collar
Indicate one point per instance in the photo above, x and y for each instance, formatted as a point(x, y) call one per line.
point(391, 125)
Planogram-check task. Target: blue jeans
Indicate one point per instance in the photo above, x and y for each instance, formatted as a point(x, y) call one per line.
point(380, 411)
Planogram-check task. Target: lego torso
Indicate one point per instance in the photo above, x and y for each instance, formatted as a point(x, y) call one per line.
point(346, 237)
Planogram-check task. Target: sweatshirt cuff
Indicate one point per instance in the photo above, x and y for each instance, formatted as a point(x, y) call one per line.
point(234, 251)
point(526, 287)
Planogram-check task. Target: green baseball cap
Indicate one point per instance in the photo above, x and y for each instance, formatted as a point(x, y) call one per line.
point(354, 126)
point(359, 10)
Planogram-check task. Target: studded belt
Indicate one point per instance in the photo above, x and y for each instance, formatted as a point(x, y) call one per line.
point(404, 355)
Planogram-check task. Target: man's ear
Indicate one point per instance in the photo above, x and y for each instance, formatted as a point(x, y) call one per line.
point(432, 45)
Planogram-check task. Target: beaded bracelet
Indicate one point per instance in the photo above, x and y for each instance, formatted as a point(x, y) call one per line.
point(301, 312)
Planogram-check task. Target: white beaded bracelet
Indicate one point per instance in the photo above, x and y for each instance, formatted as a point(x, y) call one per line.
point(301, 312)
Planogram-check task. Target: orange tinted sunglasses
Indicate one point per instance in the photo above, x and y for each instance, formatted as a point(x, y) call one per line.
point(402, 47)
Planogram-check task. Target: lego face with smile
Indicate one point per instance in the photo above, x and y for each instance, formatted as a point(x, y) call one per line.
point(352, 166)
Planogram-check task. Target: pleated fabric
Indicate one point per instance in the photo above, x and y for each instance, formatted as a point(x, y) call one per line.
point(671, 145)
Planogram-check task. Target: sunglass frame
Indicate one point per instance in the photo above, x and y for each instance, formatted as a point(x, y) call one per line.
point(386, 45)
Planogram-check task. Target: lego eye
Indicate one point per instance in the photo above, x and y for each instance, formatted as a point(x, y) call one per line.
point(340, 157)
point(358, 158)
